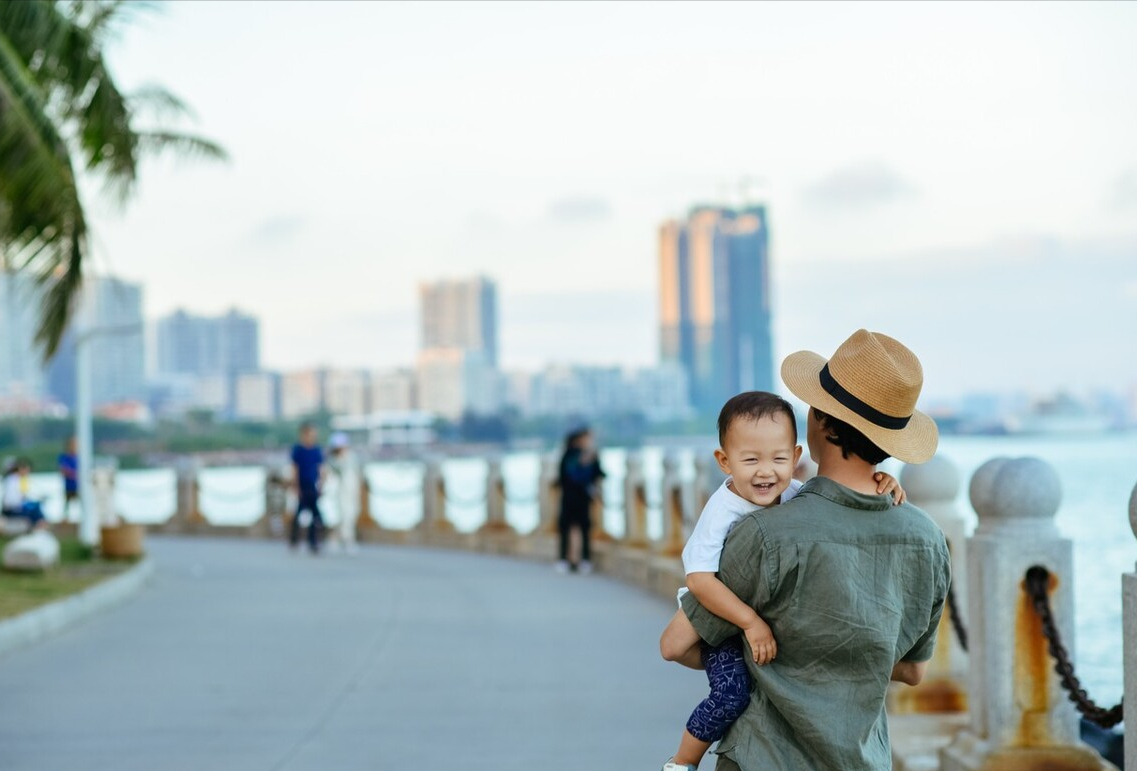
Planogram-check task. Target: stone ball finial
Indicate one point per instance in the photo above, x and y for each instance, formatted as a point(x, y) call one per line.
point(982, 482)
point(1133, 511)
point(670, 462)
point(1022, 488)
point(936, 480)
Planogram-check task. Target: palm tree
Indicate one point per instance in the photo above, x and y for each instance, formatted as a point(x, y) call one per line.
point(61, 116)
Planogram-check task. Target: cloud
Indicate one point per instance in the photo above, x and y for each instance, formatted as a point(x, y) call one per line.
point(859, 186)
point(277, 230)
point(580, 210)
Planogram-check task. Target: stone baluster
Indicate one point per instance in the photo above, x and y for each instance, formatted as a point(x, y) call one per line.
point(276, 502)
point(367, 526)
point(495, 500)
point(549, 495)
point(934, 486)
point(708, 477)
point(189, 511)
point(1129, 641)
point(102, 488)
point(674, 519)
point(635, 503)
point(1020, 716)
point(434, 518)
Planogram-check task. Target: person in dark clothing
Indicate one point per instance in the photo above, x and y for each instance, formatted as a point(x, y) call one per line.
point(580, 474)
point(308, 479)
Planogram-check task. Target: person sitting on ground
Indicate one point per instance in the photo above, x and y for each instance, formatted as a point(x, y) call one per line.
point(16, 503)
point(758, 451)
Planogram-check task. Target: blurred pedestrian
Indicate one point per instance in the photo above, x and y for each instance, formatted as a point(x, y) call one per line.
point(308, 474)
point(69, 469)
point(579, 479)
point(16, 502)
point(345, 467)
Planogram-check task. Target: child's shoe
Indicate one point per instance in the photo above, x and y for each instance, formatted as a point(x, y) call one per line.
point(585, 567)
point(671, 765)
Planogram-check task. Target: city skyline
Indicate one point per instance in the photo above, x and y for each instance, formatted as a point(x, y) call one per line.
point(413, 158)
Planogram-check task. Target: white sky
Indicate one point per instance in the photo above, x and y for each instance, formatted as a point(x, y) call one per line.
point(375, 145)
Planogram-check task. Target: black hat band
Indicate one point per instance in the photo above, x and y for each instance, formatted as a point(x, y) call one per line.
point(866, 411)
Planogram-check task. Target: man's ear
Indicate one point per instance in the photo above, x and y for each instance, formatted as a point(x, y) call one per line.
point(720, 456)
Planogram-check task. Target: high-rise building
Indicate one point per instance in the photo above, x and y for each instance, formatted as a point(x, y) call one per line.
point(453, 381)
point(113, 308)
point(188, 344)
point(460, 314)
point(715, 302)
point(21, 362)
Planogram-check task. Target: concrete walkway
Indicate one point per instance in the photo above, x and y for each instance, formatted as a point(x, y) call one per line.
point(242, 656)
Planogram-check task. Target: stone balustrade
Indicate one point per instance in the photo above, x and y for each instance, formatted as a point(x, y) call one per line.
point(1000, 705)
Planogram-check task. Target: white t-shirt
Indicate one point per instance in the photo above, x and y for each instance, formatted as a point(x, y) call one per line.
point(13, 497)
point(722, 512)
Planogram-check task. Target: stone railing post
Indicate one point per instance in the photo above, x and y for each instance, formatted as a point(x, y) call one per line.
point(635, 503)
point(495, 500)
point(708, 477)
point(1020, 716)
point(549, 495)
point(102, 488)
point(188, 512)
point(434, 518)
point(674, 519)
point(934, 486)
point(276, 501)
point(367, 526)
point(1129, 641)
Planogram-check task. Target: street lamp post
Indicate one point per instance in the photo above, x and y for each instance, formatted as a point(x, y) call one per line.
point(88, 522)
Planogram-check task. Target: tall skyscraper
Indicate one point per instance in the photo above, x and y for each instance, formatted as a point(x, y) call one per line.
point(21, 361)
point(715, 302)
point(460, 314)
point(117, 353)
point(189, 344)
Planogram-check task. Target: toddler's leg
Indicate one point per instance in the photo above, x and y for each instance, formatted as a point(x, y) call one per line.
point(681, 643)
point(729, 697)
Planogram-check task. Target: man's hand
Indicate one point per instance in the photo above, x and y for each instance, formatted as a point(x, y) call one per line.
point(762, 643)
point(886, 484)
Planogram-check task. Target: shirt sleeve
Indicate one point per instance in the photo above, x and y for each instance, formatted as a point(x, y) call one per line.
point(740, 569)
point(703, 551)
point(926, 645)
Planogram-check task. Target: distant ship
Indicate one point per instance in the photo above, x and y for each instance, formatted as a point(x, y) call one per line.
point(1062, 415)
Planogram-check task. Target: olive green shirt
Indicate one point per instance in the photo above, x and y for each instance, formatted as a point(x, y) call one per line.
point(850, 585)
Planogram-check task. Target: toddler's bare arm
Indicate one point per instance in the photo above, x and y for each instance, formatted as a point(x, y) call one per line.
point(718, 599)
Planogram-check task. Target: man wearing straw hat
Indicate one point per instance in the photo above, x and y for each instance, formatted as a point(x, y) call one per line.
point(852, 586)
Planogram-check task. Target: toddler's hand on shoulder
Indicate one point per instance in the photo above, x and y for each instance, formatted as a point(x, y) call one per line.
point(886, 484)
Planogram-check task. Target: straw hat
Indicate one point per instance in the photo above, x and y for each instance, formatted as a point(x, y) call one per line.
point(872, 383)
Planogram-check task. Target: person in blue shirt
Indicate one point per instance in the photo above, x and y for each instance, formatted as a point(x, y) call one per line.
point(69, 468)
point(307, 479)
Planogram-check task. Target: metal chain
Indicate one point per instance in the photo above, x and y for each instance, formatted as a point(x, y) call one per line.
point(1037, 586)
point(956, 620)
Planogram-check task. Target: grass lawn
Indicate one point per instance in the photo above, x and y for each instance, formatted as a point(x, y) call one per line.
point(77, 570)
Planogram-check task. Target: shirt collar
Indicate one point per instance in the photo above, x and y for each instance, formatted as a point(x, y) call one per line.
point(736, 504)
point(843, 496)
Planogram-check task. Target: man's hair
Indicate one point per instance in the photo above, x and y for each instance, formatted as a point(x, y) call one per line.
point(754, 405)
point(849, 439)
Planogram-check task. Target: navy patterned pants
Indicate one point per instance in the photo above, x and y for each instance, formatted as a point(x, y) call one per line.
point(730, 690)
